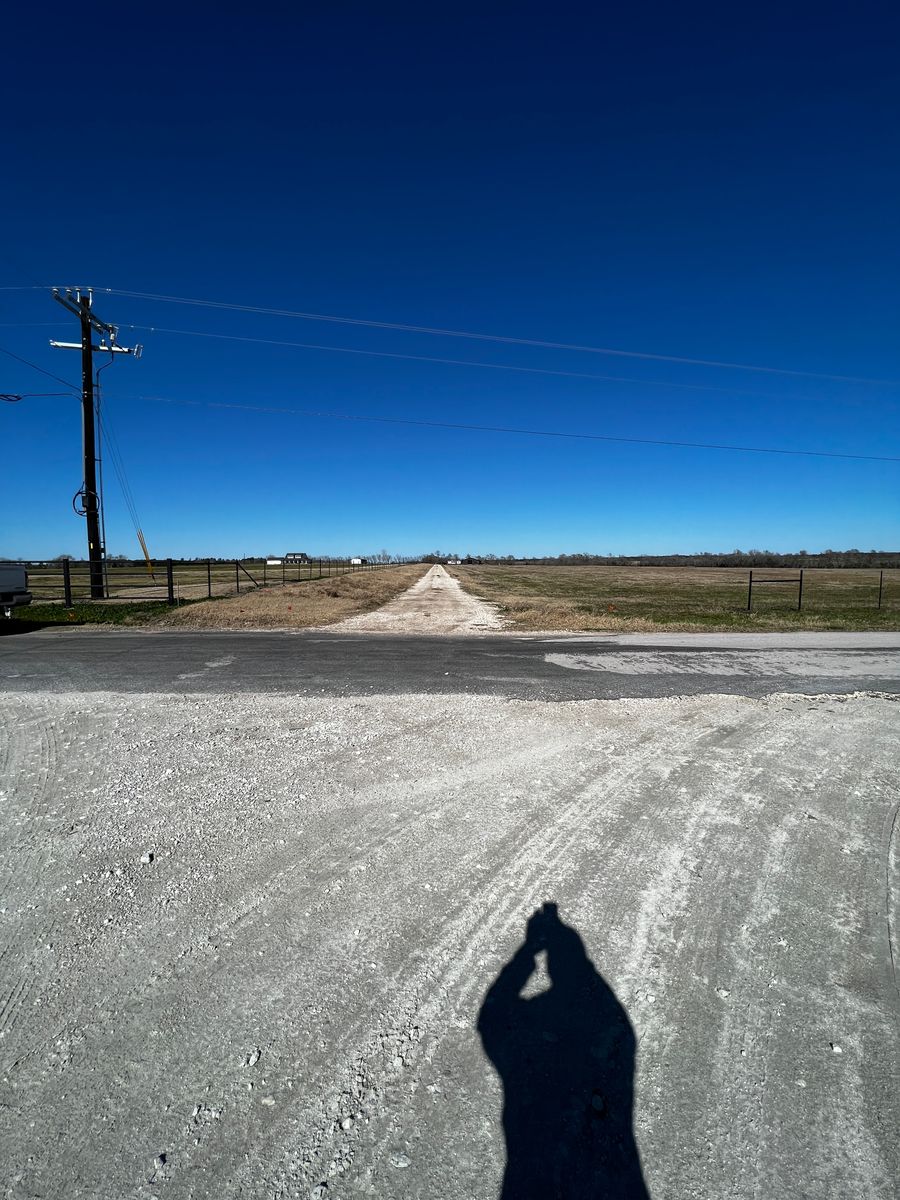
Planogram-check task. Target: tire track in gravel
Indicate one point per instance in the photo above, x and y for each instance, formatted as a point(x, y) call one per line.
point(354, 1044)
point(130, 999)
point(553, 847)
point(29, 756)
point(413, 1027)
point(734, 907)
point(650, 822)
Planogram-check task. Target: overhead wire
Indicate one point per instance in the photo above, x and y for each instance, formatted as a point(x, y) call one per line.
point(515, 430)
point(511, 429)
point(16, 396)
point(539, 343)
point(35, 367)
point(457, 362)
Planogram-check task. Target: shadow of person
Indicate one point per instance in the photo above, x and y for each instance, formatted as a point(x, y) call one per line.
point(566, 1060)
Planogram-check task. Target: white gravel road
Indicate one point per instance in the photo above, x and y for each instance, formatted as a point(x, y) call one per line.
point(246, 941)
point(434, 604)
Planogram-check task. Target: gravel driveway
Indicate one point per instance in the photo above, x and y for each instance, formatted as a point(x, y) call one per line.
point(266, 945)
point(434, 604)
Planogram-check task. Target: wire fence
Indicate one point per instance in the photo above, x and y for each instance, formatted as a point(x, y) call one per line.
point(872, 588)
point(172, 580)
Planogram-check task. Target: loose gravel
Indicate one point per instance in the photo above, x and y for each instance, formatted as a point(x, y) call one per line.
point(245, 939)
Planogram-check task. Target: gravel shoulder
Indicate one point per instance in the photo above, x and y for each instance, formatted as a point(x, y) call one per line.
point(281, 999)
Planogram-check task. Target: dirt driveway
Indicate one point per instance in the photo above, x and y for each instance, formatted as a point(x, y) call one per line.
point(435, 604)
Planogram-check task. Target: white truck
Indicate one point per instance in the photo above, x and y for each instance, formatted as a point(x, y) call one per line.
point(13, 588)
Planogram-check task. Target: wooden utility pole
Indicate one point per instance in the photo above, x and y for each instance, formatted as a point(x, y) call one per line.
point(80, 303)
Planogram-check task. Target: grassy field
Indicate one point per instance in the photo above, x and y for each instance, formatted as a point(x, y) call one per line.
point(294, 605)
point(682, 598)
point(298, 605)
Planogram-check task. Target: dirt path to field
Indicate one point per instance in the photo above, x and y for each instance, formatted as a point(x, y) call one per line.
point(435, 604)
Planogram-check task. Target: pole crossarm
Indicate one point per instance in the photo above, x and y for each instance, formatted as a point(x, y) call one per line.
point(74, 301)
point(81, 304)
point(100, 346)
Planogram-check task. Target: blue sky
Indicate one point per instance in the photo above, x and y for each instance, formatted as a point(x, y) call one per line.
point(692, 181)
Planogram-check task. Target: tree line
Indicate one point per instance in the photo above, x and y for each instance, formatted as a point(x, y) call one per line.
point(735, 558)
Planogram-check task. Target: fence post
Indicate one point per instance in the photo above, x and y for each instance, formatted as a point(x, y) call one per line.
point(264, 572)
point(209, 579)
point(800, 592)
point(282, 570)
point(750, 591)
point(880, 585)
point(67, 585)
point(170, 581)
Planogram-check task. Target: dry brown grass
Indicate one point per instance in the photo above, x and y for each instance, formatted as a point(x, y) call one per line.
point(300, 605)
point(644, 599)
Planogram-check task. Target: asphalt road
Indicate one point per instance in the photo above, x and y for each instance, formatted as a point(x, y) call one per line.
point(315, 916)
point(313, 663)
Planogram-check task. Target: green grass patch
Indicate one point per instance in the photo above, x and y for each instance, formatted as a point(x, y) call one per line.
point(38, 616)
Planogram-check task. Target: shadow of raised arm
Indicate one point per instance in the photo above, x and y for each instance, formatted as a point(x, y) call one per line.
point(566, 1060)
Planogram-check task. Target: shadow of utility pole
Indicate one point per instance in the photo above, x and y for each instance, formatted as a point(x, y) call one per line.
point(566, 1058)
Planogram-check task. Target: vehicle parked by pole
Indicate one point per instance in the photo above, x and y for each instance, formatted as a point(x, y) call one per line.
point(13, 588)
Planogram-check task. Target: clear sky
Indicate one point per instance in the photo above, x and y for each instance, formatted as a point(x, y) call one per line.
point(712, 182)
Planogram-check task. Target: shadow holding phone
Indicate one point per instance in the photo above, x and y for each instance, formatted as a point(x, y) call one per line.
point(566, 1058)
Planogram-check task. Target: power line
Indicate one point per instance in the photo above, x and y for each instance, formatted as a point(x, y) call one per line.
point(492, 337)
point(547, 433)
point(16, 396)
point(35, 367)
point(457, 362)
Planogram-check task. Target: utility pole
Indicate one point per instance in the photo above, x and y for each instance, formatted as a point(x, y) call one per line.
point(80, 303)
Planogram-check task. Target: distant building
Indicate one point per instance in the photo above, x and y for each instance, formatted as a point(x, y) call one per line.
point(296, 557)
point(358, 562)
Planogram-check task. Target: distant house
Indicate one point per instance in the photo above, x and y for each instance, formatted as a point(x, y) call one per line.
point(296, 557)
point(358, 562)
